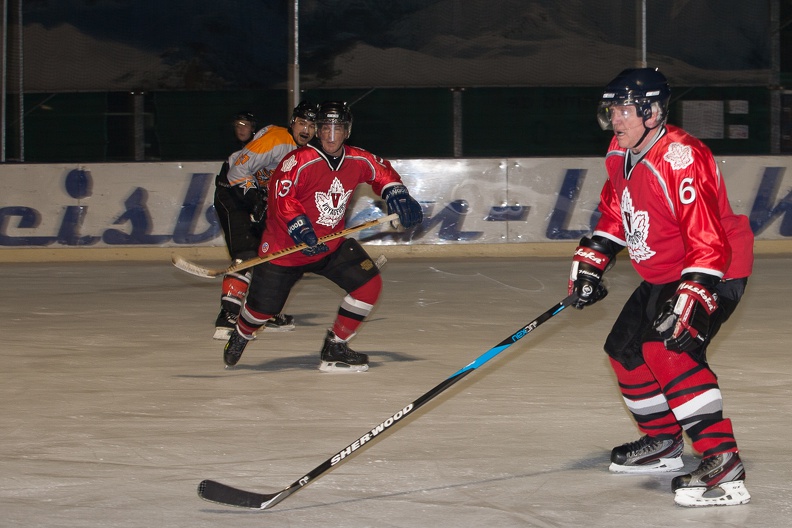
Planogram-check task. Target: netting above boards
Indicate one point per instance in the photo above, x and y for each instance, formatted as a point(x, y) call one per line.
point(89, 45)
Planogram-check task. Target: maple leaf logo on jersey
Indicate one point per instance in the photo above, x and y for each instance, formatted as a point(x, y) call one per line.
point(332, 204)
point(679, 156)
point(636, 229)
point(289, 164)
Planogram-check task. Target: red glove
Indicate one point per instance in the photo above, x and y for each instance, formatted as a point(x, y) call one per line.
point(684, 320)
point(591, 260)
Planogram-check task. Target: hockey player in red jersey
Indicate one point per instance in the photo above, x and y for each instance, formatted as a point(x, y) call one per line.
point(309, 194)
point(666, 202)
point(241, 202)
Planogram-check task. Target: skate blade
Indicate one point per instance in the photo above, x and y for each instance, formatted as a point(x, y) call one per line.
point(726, 494)
point(282, 328)
point(222, 333)
point(663, 465)
point(338, 366)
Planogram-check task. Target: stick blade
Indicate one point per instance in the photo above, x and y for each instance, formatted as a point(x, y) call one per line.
point(192, 268)
point(220, 493)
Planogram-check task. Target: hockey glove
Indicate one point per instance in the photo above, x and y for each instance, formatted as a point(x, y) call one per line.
point(400, 202)
point(259, 213)
point(256, 201)
point(683, 322)
point(301, 231)
point(593, 257)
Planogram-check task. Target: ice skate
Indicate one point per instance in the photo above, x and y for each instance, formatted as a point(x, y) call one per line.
point(234, 348)
point(338, 357)
point(648, 455)
point(280, 323)
point(718, 481)
point(224, 325)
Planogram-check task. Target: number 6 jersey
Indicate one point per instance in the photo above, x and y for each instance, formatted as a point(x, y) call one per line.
point(671, 210)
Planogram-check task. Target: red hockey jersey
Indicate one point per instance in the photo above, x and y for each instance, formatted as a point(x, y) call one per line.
point(305, 183)
point(672, 212)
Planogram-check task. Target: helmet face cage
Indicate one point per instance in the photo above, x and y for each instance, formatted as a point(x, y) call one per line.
point(645, 88)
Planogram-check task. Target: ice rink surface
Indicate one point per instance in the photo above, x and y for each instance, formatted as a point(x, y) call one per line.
point(115, 403)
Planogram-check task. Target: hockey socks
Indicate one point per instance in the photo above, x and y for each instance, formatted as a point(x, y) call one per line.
point(645, 400)
point(692, 392)
point(355, 307)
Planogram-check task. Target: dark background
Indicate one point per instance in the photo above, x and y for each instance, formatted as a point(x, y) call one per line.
point(525, 75)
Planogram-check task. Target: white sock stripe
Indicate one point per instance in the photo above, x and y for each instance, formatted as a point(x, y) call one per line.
point(356, 306)
point(707, 402)
point(232, 299)
point(248, 317)
point(647, 405)
point(240, 276)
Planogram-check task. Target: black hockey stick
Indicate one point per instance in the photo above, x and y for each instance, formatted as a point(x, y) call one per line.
point(221, 493)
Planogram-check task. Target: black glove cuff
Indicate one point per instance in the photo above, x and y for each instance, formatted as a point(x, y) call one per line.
point(705, 279)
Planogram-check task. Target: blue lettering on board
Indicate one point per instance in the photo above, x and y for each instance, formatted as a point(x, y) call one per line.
point(557, 226)
point(188, 215)
point(763, 211)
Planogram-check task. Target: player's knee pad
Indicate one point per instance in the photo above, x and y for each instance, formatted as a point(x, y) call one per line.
point(235, 287)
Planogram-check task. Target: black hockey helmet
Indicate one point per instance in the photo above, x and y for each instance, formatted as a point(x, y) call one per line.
point(645, 88)
point(244, 115)
point(335, 113)
point(306, 111)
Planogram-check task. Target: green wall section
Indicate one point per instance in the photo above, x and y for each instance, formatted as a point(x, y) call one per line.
point(394, 123)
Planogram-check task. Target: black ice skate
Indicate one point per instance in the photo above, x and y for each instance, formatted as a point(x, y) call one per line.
point(234, 348)
point(648, 455)
point(718, 481)
point(224, 325)
point(280, 323)
point(338, 357)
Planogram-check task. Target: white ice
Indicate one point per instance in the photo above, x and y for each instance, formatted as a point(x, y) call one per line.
point(115, 403)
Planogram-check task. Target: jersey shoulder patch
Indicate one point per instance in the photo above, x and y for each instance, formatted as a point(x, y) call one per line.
point(679, 156)
point(289, 163)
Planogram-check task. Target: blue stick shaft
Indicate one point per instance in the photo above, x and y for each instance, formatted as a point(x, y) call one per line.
point(217, 492)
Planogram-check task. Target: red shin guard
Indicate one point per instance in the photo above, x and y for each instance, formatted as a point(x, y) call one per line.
point(350, 316)
point(639, 385)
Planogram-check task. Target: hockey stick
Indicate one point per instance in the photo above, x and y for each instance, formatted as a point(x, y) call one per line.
point(200, 271)
point(214, 491)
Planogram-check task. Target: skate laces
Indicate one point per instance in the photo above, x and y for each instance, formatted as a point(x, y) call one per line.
point(708, 464)
point(730, 465)
point(641, 446)
point(236, 343)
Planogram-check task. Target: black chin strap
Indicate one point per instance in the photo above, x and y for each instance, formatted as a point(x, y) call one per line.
point(646, 133)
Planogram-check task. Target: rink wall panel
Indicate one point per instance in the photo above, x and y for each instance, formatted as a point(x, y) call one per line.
point(473, 208)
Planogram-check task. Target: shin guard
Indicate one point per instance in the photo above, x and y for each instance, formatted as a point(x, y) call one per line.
point(645, 400)
point(235, 287)
point(355, 308)
point(693, 394)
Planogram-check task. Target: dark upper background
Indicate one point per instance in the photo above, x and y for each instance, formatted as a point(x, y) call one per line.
point(234, 44)
point(536, 66)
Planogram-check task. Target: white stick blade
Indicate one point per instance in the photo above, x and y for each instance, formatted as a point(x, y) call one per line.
point(191, 268)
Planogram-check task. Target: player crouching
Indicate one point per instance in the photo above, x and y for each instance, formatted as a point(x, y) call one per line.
point(308, 197)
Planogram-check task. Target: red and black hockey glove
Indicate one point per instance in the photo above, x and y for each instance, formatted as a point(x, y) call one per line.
point(593, 257)
point(684, 321)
